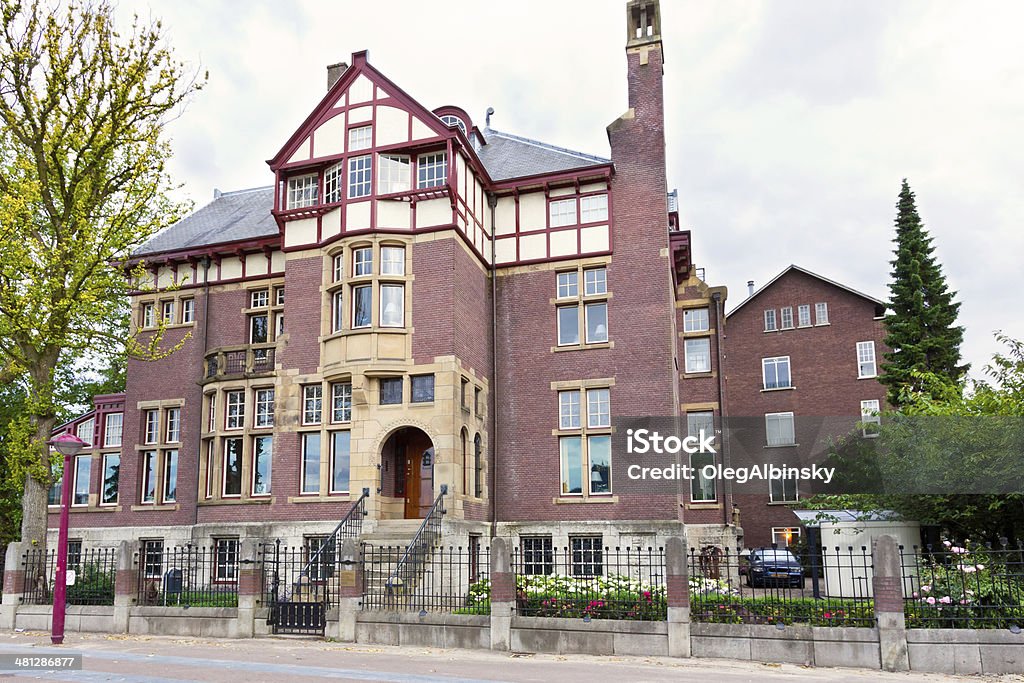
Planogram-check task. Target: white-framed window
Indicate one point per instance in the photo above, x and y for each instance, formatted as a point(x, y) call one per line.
point(173, 420)
point(450, 120)
point(562, 212)
point(594, 209)
point(769, 320)
point(787, 317)
point(362, 261)
point(86, 430)
point(392, 305)
point(598, 410)
point(870, 417)
point(259, 298)
point(83, 474)
point(568, 325)
point(783, 491)
point(312, 404)
point(596, 318)
point(702, 489)
point(338, 268)
point(568, 285)
point(188, 311)
point(803, 315)
point(210, 456)
point(698, 355)
point(392, 260)
point(148, 315)
point(148, 477)
point(232, 469)
point(570, 453)
point(595, 281)
point(170, 476)
point(262, 456)
point(211, 412)
point(152, 421)
point(311, 462)
point(779, 429)
point(569, 409)
point(866, 360)
point(696, 320)
point(341, 402)
point(821, 314)
point(302, 191)
point(431, 170)
point(109, 484)
point(259, 329)
point(337, 310)
point(360, 175)
point(360, 138)
point(786, 536)
point(234, 410)
point(340, 461)
point(775, 373)
point(226, 569)
point(394, 173)
point(362, 306)
point(279, 296)
point(264, 408)
point(333, 179)
point(167, 311)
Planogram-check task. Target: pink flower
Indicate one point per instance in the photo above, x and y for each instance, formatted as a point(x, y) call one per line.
point(980, 566)
point(930, 601)
point(946, 600)
point(965, 602)
point(915, 595)
point(926, 589)
point(957, 550)
point(946, 543)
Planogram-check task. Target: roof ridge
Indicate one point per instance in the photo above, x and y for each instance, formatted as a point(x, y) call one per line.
point(249, 189)
point(545, 145)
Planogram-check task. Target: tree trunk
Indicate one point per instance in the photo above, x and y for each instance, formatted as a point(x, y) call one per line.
point(33, 512)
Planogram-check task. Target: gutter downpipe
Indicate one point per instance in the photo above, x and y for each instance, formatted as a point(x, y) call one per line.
point(206, 347)
point(720, 325)
point(492, 202)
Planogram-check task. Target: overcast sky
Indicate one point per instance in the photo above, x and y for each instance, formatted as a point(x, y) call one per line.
point(790, 124)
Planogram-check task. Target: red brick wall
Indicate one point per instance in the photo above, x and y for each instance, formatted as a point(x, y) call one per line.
point(302, 280)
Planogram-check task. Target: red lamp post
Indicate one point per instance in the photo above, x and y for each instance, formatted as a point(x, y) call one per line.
point(69, 446)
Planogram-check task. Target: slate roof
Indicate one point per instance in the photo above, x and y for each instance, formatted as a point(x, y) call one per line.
point(245, 214)
point(231, 217)
point(511, 156)
point(794, 267)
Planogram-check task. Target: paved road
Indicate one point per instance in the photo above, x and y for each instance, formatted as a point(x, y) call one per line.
point(153, 659)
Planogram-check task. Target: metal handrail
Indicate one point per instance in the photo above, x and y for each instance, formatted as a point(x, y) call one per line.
point(428, 532)
point(355, 513)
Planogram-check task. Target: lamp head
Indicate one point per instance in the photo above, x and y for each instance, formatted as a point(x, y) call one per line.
point(67, 444)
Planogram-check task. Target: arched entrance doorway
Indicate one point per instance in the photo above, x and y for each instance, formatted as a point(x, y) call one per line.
point(407, 470)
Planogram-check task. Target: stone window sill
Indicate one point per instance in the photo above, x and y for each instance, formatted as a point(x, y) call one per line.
point(584, 501)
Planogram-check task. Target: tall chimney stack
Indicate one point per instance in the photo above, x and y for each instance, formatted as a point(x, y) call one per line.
point(334, 73)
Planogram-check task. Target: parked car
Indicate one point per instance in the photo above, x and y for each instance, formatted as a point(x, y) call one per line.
point(774, 566)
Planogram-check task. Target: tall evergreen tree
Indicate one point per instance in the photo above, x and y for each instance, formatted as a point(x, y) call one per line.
point(921, 327)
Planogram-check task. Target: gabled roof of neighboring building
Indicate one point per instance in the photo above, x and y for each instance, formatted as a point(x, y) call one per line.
point(230, 217)
point(508, 156)
point(795, 267)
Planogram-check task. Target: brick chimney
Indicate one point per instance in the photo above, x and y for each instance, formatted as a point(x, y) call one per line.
point(334, 73)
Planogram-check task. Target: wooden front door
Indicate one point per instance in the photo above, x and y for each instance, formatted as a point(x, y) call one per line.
point(419, 490)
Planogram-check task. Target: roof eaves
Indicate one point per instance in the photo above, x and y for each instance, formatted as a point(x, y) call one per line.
point(793, 266)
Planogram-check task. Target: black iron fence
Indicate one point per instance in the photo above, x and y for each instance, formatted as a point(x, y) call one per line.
point(825, 586)
point(449, 578)
point(91, 575)
point(299, 583)
point(189, 575)
point(588, 581)
point(964, 585)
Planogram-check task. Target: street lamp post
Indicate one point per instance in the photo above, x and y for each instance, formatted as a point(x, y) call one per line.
point(69, 446)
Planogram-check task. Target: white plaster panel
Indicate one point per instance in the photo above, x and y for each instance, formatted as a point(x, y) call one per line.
point(330, 223)
point(533, 247)
point(340, 102)
point(329, 138)
point(562, 191)
point(533, 212)
point(164, 277)
point(301, 152)
point(230, 268)
point(359, 114)
point(594, 239)
point(563, 242)
point(594, 187)
point(505, 250)
point(392, 125)
point(357, 215)
point(277, 261)
point(255, 264)
point(361, 90)
point(394, 214)
point(505, 216)
point(298, 232)
point(433, 212)
point(421, 130)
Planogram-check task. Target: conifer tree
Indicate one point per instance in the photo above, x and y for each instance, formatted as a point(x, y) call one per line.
point(921, 324)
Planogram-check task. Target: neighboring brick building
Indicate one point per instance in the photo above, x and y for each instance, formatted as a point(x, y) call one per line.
point(802, 346)
point(418, 302)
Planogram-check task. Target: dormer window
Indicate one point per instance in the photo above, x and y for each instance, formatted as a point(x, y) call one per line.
point(450, 120)
point(302, 191)
point(431, 170)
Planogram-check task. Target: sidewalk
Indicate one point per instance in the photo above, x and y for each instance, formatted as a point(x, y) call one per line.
point(154, 659)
